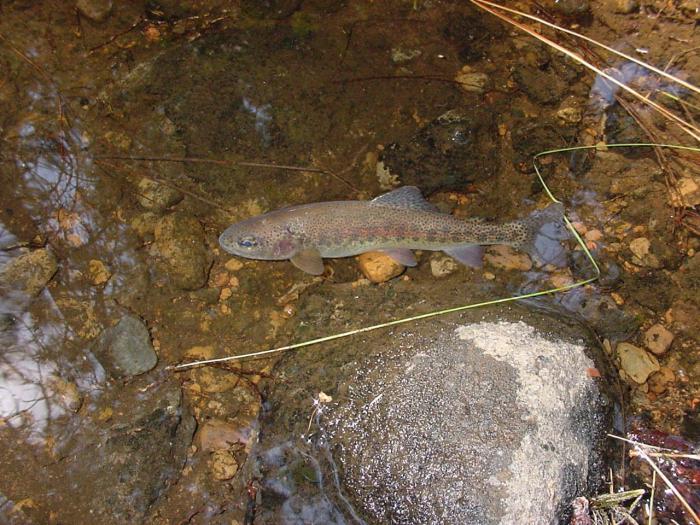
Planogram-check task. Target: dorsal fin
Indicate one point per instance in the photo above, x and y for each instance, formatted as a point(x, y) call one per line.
point(406, 197)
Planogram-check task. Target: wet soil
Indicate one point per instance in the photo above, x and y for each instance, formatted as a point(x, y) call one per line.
point(127, 143)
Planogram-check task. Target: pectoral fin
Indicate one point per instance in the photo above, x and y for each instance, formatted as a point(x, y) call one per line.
point(402, 256)
point(308, 261)
point(470, 255)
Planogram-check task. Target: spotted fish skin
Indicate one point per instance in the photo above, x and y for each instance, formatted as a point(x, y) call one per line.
point(398, 220)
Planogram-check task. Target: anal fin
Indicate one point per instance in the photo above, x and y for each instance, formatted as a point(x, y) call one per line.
point(470, 255)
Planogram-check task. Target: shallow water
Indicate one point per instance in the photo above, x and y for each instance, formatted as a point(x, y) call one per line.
point(346, 90)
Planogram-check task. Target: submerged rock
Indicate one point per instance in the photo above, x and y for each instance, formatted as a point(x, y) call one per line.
point(125, 349)
point(140, 458)
point(155, 196)
point(180, 241)
point(475, 422)
point(636, 362)
point(29, 272)
point(95, 10)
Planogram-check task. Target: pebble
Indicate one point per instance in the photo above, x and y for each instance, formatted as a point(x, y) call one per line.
point(223, 465)
point(689, 192)
point(155, 196)
point(95, 10)
point(217, 434)
point(624, 7)
point(641, 255)
point(489, 276)
point(233, 265)
point(658, 381)
point(98, 272)
point(442, 266)
point(30, 272)
point(570, 114)
point(637, 363)
point(379, 267)
point(125, 349)
point(561, 278)
point(506, 258)
point(658, 339)
point(472, 81)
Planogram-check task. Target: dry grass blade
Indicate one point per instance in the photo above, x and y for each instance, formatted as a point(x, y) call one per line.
point(642, 453)
point(685, 126)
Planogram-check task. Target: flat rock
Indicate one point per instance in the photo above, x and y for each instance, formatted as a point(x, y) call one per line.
point(637, 363)
point(125, 349)
point(658, 339)
point(483, 421)
point(29, 272)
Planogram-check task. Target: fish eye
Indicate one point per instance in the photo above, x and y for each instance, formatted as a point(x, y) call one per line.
point(247, 241)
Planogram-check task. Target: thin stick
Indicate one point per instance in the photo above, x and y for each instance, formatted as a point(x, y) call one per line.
point(198, 160)
point(658, 71)
point(651, 497)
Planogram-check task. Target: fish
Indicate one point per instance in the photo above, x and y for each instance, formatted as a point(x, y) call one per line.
point(395, 223)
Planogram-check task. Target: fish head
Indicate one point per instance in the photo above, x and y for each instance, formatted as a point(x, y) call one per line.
point(261, 237)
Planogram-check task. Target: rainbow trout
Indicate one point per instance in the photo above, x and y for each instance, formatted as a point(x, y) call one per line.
point(395, 223)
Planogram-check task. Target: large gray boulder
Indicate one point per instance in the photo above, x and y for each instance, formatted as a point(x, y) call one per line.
point(492, 421)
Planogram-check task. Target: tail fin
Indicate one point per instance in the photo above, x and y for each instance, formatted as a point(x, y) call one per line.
point(545, 229)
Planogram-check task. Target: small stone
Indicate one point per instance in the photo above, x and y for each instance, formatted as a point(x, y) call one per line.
point(233, 265)
point(155, 196)
point(642, 256)
point(442, 266)
point(658, 381)
point(506, 258)
point(689, 191)
point(223, 465)
point(379, 267)
point(658, 339)
point(225, 294)
point(125, 349)
point(570, 114)
point(472, 81)
point(636, 362)
point(400, 55)
point(98, 272)
point(489, 276)
point(217, 434)
point(200, 352)
point(561, 278)
point(593, 235)
point(29, 272)
point(624, 7)
point(95, 10)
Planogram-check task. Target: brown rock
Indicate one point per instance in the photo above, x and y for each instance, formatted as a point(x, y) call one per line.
point(98, 272)
point(636, 362)
point(659, 381)
point(658, 339)
point(223, 465)
point(379, 267)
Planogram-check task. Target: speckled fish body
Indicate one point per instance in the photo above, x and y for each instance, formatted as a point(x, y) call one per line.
point(395, 222)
